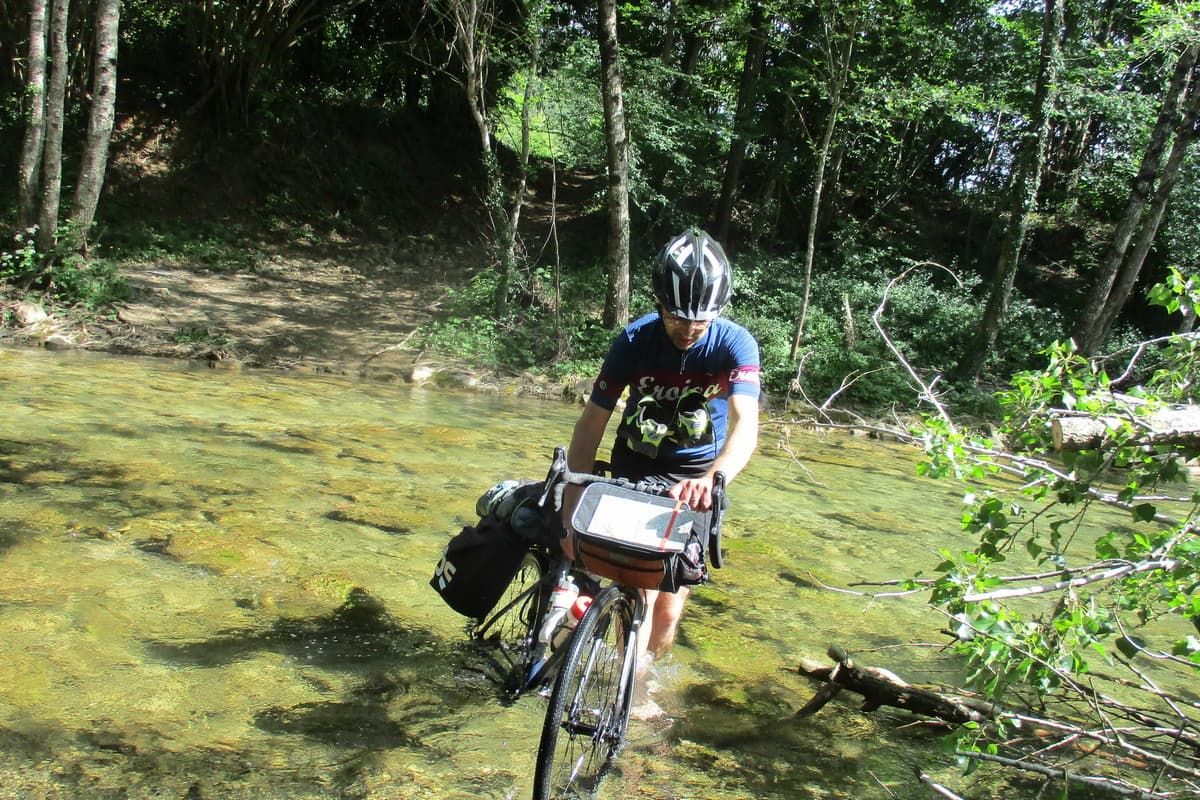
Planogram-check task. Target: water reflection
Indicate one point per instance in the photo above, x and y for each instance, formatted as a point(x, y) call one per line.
point(214, 585)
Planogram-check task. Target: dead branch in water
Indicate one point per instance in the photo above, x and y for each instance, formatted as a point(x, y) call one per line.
point(881, 687)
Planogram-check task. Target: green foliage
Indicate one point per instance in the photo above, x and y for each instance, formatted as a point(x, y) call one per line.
point(930, 317)
point(570, 118)
point(70, 279)
point(1111, 575)
point(215, 247)
point(524, 338)
point(22, 262)
point(92, 283)
point(195, 334)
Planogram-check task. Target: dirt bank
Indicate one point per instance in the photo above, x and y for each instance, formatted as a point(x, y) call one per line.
point(347, 309)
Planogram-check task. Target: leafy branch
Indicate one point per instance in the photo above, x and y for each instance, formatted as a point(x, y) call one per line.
point(1089, 643)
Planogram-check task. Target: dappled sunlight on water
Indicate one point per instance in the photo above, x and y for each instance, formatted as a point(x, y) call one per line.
point(215, 585)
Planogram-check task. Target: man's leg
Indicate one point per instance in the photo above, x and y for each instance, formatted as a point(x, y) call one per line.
point(663, 610)
point(644, 656)
point(664, 618)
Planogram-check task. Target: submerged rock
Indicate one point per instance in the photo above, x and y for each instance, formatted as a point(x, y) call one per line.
point(58, 341)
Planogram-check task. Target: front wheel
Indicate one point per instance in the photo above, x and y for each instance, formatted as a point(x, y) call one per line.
point(585, 722)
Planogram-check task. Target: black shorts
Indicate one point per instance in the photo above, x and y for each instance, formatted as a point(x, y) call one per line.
point(625, 463)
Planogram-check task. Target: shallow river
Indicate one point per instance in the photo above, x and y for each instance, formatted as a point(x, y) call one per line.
point(215, 585)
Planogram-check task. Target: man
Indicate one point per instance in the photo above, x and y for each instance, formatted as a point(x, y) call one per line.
point(693, 380)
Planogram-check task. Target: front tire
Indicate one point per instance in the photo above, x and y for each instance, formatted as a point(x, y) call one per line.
point(586, 718)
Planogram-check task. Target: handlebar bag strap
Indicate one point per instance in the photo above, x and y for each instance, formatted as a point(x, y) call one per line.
point(637, 539)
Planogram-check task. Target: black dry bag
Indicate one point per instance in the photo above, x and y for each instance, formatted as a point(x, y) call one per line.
point(478, 565)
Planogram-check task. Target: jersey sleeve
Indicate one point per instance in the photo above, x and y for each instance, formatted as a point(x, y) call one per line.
point(744, 377)
point(614, 373)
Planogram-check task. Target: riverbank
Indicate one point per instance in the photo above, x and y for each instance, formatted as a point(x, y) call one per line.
point(344, 309)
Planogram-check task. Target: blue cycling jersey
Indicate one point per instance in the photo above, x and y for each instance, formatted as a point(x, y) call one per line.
point(677, 406)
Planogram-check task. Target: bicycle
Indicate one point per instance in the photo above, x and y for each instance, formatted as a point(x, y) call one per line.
point(589, 706)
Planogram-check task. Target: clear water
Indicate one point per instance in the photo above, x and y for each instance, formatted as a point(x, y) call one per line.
point(215, 585)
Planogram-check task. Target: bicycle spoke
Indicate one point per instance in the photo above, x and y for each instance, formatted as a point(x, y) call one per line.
point(585, 723)
point(510, 629)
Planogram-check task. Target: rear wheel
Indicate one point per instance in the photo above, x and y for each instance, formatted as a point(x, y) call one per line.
point(510, 627)
point(585, 722)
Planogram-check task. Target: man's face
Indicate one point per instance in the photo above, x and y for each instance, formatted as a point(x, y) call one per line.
point(683, 333)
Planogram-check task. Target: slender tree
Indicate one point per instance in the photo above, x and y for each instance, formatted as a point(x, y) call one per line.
point(29, 168)
point(616, 301)
point(1088, 333)
point(56, 95)
point(1027, 181)
point(1131, 267)
point(756, 49)
point(840, 27)
point(473, 23)
point(100, 121)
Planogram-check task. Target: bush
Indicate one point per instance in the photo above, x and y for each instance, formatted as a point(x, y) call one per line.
point(929, 316)
point(70, 280)
point(524, 337)
point(91, 284)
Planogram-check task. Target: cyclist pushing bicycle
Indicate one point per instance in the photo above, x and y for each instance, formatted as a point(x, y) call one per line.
point(689, 425)
point(692, 411)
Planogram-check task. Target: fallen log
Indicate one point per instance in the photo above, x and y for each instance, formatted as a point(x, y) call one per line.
point(1179, 426)
point(881, 687)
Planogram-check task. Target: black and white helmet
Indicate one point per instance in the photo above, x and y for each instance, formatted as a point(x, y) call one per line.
point(692, 278)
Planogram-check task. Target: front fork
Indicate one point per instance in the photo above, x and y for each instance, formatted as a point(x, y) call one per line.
point(628, 685)
point(540, 651)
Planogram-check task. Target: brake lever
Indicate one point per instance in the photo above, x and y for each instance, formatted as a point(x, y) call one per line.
point(714, 527)
point(558, 468)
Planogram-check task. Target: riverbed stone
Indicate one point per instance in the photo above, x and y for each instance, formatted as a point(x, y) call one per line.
point(421, 373)
point(456, 378)
point(59, 341)
point(28, 312)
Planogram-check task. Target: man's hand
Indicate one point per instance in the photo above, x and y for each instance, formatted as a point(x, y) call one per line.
point(696, 492)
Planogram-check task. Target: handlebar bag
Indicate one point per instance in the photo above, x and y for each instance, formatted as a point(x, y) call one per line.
point(642, 540)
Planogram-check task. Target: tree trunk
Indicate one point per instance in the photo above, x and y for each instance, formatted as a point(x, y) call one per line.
point(839, 58)
point(1184, 136)
point(518, 201)
point(616, 301)
point(100, 122)
point(28, 172)
point(672, 25)
point(1088, 335)
point(56, 95)
point(1026, 184)
point(1169, 426)
point(692, 44)
point(472, 25)
point(756, 49)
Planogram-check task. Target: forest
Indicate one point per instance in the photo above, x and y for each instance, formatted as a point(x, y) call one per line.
point(1036, 157)
point(953, 207)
